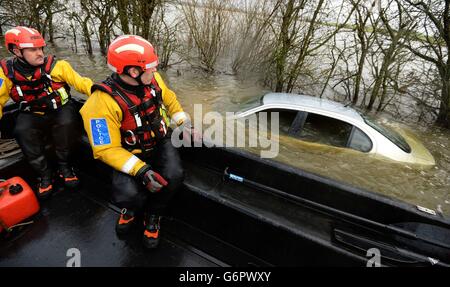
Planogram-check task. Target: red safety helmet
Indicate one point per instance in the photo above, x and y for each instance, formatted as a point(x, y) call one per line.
point(130, 50)
point(24, 37)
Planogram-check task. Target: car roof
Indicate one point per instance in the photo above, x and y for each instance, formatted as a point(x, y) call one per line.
point(303, 101)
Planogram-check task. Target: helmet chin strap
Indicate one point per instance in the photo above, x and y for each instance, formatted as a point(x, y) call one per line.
point(22, 59)
point(138, 78)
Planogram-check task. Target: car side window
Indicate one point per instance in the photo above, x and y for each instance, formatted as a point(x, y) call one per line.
point(285, 118)
point(325, 130)
point(297, 123)
point(359, 141)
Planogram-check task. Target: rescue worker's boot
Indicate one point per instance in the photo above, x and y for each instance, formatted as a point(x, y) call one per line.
point(125, 222)
point(67, 174)
point(45, 186)
point(151, 231)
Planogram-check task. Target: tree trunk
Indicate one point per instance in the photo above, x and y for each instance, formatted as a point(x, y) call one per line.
point(443, 118)
point(284, 42)
point(148, 6)
point(383, 93)
point(122, 9)
point(383, 75)
point(293, 76)
point(74, 35)
point(102, 33)
point(87, 36)
point(444, 110)
point(50, 27)
point(359, 75)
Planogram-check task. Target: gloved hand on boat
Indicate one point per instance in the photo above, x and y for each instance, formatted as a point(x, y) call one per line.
point(152, 180)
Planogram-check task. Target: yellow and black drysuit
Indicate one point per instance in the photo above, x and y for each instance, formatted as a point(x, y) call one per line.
point(128, 129)
point(46, 111)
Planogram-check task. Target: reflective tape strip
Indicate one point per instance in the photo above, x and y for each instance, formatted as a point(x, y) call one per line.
point(28, 29)
point(19, 91)
point(179, 117)
point(131, 162)
point(13, 31)
point(130, 47)
point(138, 120)
point(112, 68)
point(26, 45)
point(163, 124)
point(151, 65)
point(55, 106)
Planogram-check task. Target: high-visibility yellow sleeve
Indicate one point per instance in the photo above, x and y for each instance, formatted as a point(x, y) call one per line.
point(171, 102)
point(63, 72)
point(5, 88)
point(102, 119)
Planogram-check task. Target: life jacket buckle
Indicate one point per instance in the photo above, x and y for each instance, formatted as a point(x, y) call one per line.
point(132, 135)
point(24, 107)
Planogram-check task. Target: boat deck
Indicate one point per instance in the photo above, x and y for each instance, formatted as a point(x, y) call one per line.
point(75, 220)
point(85, 219)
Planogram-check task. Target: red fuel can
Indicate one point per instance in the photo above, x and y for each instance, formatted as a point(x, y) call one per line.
point(17, 202)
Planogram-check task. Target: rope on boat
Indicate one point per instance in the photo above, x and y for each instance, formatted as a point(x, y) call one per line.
point(8, 147)
point(10, 229)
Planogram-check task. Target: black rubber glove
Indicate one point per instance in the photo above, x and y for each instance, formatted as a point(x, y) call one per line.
point(152, 180)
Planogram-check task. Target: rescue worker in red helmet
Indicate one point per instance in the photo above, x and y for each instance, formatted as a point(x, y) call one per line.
point(40, 84)
point(127, 122)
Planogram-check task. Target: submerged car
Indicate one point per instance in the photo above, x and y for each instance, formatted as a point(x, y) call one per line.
point(334, 124)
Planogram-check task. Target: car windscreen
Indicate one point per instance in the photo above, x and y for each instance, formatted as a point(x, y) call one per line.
point(393, 136)
point(253, 103)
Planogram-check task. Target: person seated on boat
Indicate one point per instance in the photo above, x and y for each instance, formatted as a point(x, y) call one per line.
point(127, 122)
point(40, 84)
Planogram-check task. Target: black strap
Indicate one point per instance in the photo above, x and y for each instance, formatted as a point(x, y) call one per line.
point(117, 92)
point(148, 103)
point(37, 105)
point(46, 70)
point(31, 84)
point(158, 93)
